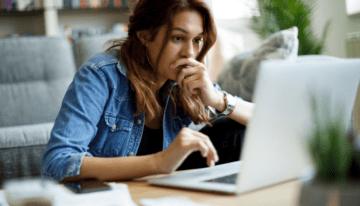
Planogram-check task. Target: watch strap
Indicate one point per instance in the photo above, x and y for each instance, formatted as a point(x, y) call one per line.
point(230, 102)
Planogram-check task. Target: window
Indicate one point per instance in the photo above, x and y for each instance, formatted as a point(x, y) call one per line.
point(235, 9)
point(352, 7)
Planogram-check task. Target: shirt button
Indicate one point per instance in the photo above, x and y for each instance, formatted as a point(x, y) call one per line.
point(114, 127)
point(183, 125)
point(139, 121)
point(131, 154)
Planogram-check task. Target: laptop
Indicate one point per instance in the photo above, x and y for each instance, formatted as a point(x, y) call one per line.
point(275, 144)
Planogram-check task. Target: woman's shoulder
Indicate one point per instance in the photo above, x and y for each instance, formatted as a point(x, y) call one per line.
point(107, 61)
point(102, 59)
point(105, 69)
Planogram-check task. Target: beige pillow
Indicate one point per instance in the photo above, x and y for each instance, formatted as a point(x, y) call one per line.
point(239, 74)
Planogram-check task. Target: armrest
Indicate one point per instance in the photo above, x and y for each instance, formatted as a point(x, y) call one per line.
point(21, 150)
point(25, 135)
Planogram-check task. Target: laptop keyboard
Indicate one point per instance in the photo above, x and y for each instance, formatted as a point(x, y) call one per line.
point(230, 179)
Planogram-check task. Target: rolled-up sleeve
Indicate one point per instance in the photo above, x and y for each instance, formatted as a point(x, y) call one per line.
point(76, 124)
point(218, 88)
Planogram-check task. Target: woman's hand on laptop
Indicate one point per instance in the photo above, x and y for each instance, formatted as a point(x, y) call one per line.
point(186, 142)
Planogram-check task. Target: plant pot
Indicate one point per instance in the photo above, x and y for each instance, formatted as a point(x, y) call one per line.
point(330, 193)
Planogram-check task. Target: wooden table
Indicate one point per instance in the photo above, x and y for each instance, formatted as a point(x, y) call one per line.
point(278, 195)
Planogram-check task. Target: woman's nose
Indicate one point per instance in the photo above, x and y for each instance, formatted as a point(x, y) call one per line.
point(188, 50)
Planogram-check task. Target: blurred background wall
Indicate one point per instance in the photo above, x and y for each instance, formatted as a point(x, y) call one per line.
point(32, 22)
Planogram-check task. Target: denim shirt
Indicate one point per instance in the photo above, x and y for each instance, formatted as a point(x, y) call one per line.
point(97, 118)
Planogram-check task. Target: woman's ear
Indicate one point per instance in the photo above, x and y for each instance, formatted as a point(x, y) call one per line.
point(142, 36)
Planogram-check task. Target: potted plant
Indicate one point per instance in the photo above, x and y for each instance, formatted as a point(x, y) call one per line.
point(336, 154)
point(276, 15)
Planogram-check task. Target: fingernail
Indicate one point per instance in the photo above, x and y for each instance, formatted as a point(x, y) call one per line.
point(212, 163)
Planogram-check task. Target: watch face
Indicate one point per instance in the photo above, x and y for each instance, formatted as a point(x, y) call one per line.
point(230, 102)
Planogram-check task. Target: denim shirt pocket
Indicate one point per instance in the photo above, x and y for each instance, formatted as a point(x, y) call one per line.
point(117, 124)
point(117, 131)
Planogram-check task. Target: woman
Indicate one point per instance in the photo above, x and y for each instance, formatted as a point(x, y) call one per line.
point(134, 104)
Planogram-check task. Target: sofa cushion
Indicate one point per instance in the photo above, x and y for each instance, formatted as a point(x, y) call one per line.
point(34, 75)
point(21, 150)
point(86, 47)
point(239, 74)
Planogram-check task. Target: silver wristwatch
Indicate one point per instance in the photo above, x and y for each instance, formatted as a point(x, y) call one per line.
point(230, 102)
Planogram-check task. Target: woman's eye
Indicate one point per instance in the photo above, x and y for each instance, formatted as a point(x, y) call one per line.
point(198, 41)
point(178, 38)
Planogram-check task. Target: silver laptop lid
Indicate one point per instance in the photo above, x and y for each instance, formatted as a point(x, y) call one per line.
point(275, 147)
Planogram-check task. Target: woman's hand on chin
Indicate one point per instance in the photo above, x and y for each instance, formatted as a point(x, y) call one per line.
point(195, 80)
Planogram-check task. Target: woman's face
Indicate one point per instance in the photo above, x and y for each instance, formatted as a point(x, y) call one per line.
point(185, 42)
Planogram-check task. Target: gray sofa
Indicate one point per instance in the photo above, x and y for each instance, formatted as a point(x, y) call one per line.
point(34, 75)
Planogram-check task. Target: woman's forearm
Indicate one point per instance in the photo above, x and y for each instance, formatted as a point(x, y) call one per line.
point(242, 112)
point(117, 168)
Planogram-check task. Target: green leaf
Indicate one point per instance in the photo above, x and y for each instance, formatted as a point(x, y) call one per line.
point(276, 15)
point(329, 143)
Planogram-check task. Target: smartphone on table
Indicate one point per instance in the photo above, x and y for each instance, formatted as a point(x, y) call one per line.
point(87, 186)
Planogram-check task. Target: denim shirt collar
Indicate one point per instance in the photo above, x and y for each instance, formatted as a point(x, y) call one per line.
point(121, 67)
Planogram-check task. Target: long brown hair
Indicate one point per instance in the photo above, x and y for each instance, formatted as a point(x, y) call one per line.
point(150, 15)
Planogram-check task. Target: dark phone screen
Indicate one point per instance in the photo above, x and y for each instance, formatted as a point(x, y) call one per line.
point(88, 185)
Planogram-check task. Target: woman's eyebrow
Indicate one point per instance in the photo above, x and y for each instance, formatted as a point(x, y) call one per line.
point(183, 30)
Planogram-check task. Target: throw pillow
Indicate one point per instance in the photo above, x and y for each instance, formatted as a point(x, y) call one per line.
point(239, 73)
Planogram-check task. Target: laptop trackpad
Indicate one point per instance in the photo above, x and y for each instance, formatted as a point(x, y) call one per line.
point(206, 179)
point(200, 175)
point(229, 179)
